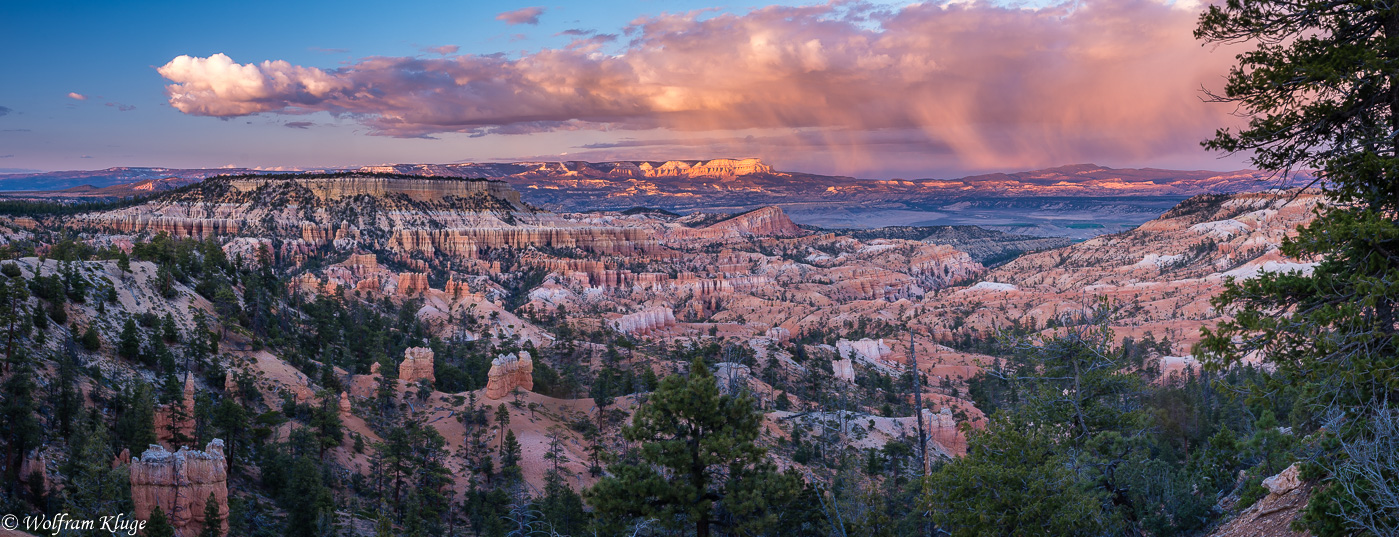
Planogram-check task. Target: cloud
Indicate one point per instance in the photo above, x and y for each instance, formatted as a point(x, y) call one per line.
point(529, 15)
point(7, 156)
point(77, 96)
point(443, 50)
point(991, 86)
point(5, 111)
point(122, 107)
point(215, 86)
point(298, 124)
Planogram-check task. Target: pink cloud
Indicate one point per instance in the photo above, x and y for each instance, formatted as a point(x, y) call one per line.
point(994, 87)
point(77, 96)
point(529, 15)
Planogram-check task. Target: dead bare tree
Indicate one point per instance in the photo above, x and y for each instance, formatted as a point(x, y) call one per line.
point(1371, 472)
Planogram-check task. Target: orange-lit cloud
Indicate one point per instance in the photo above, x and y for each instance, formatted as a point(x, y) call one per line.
point(991, 86)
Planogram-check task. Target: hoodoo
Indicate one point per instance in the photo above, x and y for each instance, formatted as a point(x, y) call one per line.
point(508, 372)
point(416, 365)
point(181, 483)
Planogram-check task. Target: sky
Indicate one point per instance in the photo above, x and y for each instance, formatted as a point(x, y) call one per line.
point(867, 89)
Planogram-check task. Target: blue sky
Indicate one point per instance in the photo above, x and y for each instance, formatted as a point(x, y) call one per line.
point(640, 94)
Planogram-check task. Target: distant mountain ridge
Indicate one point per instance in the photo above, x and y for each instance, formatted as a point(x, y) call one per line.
point(729, 185)
point(119, 176)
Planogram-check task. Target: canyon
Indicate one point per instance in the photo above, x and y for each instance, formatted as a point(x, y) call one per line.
point(475, 264)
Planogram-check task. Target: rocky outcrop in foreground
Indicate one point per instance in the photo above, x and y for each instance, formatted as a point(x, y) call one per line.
point(181, 483)
point(1272, 516)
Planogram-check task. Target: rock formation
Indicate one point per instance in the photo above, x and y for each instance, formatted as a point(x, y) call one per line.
point(1273, 515)
point(844, 369)
point(416, 365)
point(344, 403)
point(180, 483)
point(508, 372)
point(645, 321)
point(941, 428)
point(869, 350)
point(767, 221)
point(35, 467)
point(415, 188)
point(412, 283)
point(1284, 482)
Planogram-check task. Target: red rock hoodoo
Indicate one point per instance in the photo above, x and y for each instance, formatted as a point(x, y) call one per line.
point(180, 483)
point(508, 372)
point(416, 365)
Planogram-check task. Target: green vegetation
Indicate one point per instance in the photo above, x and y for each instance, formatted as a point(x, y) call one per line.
point(1322, 92)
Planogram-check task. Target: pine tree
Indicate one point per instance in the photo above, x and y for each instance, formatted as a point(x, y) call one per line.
point(231, 422)
point(91, 341)
point(129, 346)
point(213, 522)
point(705, 443)
point(168, 330)
point(94, 488)
point(326, 420)
point(305, 497)
point(561, 507)
point(135, 426)
point(510, 456)
point(14, 296)
point(158, 525)
point(502, 418)
point(68, 404)
point(1321, 88)
point(19, 421)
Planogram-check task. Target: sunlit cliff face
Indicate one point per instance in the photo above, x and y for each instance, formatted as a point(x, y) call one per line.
point(974, 84)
